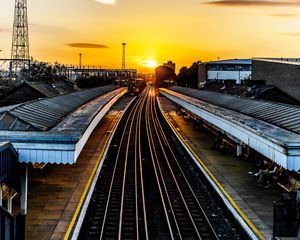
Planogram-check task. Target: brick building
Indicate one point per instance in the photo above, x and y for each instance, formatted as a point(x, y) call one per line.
point(283, 73)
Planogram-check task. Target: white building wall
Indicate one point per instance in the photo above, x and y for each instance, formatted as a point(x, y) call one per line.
point(238, 76)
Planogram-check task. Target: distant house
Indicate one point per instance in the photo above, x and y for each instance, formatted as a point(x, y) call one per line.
point(28, 91)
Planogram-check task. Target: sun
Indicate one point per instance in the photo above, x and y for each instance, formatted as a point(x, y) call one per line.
point(151, 64)
point(108, 2)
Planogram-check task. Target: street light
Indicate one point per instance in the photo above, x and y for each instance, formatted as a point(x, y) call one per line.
point(80, 60)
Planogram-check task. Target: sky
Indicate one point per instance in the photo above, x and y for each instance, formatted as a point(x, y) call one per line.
point(155, 31)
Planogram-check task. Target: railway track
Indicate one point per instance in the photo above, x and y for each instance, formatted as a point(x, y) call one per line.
point(148, 189)
point(186, 217)
point(117, 207)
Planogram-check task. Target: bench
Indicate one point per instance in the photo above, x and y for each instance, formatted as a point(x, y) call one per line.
point(293, 182)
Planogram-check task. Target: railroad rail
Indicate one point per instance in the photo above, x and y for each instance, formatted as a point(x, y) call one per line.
point(148, 188)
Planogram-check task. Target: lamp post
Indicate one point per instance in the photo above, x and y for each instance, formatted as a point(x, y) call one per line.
point(80, 60)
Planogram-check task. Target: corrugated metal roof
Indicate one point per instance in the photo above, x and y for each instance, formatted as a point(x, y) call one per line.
point(281, 115)
point(63, 87)
point(63, 142)
point(43, 87)
point(291, 61)
point(41, 115)
point(232, 61)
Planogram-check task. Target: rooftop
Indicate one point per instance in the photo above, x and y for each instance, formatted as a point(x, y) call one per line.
point(232, 61)
point(282, 115)
point(41, 115)
point(272, 129)
point(253, 90)
point(54, 130)
point(292, 61)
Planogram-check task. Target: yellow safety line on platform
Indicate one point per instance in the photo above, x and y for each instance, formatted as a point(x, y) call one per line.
point(240, 212)
point(87, 186)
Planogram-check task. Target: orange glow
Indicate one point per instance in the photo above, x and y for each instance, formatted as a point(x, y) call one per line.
point(155, 31)
point(151, 64)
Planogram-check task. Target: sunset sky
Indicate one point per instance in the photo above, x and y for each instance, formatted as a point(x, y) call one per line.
point(183, 31)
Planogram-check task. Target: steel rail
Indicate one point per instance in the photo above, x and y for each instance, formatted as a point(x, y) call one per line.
point(162, 139)
point(184, 176)
point(153, 155)
point(135, 119)
point(115, 167)
point(159, 166)
point(138, 155)
point(125, 172)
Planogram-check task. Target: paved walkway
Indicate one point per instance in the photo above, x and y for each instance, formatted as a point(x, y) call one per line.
point(55, 191)
point(252, 198)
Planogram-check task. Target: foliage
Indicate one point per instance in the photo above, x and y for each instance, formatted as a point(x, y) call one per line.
point(188, 77)
point(164, 73)
point(42, 71)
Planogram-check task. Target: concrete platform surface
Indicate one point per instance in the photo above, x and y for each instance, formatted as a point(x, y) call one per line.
point(252, 198)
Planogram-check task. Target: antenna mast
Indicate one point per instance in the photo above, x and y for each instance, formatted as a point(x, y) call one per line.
point(20, 40)
point(123, 56)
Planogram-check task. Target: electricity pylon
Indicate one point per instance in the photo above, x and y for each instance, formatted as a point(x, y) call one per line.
point(20, 39)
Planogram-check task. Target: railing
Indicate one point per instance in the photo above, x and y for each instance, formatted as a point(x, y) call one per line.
point(284, 218)
point(8, 225)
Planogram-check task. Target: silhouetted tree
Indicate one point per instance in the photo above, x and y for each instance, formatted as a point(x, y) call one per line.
point(182, 77)
point(188, 77)
point(163, 73)
point(42, 71)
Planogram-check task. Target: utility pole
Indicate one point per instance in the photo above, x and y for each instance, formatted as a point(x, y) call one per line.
point(20, 40)
point(123, 56)
point(80, 60)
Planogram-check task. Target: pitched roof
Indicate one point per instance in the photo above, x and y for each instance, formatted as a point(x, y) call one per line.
point(232, 61)
point(282, 115)
point(43, 114)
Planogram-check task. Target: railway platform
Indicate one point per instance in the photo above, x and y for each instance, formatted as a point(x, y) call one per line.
point(55, 192)
point(252, 198)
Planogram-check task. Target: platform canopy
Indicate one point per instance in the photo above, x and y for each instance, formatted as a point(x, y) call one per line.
point(54, 130)
point(272, 129)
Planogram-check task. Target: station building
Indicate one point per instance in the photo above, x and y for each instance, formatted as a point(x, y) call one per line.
point(235, 70)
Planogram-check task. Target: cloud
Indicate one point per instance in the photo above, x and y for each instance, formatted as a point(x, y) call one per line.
point(289, 34)
point(86, 45)
point(107, 2)
point(284, 15)
point(254, 3)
